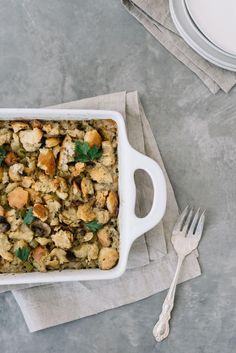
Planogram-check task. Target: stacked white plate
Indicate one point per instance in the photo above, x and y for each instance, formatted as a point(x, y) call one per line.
point(209, 27)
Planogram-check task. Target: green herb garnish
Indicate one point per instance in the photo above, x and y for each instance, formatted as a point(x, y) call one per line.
point(2, 155)
point(29, 217)
point(93, 226)
point(22, 253)
point(85, 153)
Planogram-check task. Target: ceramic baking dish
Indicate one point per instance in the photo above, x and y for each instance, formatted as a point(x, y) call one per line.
point(130, 226)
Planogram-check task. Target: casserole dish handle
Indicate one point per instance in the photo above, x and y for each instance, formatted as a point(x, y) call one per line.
point(137, 225)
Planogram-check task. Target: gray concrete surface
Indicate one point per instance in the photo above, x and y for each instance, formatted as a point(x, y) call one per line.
point(54, 51)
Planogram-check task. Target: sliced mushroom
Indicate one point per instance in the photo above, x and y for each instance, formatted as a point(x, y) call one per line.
point(4, 225)
point(40, 228)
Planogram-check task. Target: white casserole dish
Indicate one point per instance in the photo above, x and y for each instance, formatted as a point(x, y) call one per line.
point(130, 226)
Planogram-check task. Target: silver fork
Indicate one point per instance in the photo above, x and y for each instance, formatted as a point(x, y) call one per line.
point(186, 235)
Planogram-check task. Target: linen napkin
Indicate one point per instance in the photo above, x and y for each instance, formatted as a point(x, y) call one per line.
point(149, 272)
point(155, 17)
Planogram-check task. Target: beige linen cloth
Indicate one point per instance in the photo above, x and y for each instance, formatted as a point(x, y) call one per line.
point(155, 17)
point(152, 260)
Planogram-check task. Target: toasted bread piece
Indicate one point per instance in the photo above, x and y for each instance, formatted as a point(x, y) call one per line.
point(107, 259)
point(18, 198)
point(40, 211)
point(52, 142)
point(19, 125)
point(30, 139)
point(112, 202)
point(92, 137)
point(101, 174)
point(46, 161)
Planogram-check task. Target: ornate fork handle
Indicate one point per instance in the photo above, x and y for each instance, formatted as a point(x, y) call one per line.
point(185, 238)
point(161, 329)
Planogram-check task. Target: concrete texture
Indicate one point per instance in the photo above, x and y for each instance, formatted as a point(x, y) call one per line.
point(54, 51)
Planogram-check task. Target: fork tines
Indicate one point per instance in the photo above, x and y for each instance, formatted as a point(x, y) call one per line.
point(190, 224)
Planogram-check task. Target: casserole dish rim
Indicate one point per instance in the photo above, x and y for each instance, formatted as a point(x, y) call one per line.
point(130, 226)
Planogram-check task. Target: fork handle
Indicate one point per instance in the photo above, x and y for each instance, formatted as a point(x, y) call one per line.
point(162, 328)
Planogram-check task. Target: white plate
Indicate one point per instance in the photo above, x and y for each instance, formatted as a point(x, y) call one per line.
point(216, 19)
point(191, 34)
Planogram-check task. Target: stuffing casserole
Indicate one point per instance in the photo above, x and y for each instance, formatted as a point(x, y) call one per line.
point(59, 195)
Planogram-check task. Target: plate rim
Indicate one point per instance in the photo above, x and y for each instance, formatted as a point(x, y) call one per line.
point(195, 46)
point(205, 35)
